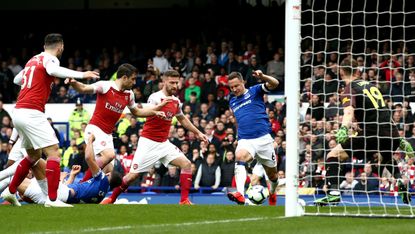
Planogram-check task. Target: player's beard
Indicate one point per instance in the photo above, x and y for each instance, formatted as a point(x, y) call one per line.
point(171, 91)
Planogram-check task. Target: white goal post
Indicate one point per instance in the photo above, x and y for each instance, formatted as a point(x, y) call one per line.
point(380, 36)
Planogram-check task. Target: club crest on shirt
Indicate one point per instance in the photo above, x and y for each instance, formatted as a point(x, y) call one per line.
point(103, 143)
point(135, 166)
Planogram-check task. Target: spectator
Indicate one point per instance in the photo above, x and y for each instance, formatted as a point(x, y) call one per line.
point(227, 168)
point(171, 178)
point(208, 86)
point(78, 116)
point(208, 174)
point(192, 88)
point(3, 112)
point(3, 155)
point(133, 128)
point(347, 185)
point(150, 178)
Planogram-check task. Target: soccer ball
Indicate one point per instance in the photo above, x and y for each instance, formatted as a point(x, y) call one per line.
point(257, 194)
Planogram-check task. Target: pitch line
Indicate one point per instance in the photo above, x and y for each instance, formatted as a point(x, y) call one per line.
point(127, 227)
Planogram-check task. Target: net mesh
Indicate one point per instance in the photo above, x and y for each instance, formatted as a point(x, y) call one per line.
point(380, 36)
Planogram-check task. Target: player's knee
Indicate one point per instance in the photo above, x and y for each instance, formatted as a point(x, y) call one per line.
point(187, 165)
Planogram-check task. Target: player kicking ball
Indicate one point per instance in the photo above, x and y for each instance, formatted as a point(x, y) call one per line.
point(254, 128)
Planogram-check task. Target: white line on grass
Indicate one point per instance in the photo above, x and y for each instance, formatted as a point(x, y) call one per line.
point(115, 228)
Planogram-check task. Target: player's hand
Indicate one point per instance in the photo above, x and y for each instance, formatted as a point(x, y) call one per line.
point(70, 81)
point(161, 114)
point(91, 74)
point(75, 169)
point(257, 74)
point(164, 102)
point(91, 138)
point(342, 134)
point(203, 137)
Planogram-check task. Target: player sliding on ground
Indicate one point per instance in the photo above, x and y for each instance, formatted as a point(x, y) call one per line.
point(376, 133)
point(254, 128)
point(90, 191)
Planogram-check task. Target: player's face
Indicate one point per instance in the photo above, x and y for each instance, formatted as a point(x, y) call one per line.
point(237, 87)
point(129, 82)
point(171, 85)
point(60, 50)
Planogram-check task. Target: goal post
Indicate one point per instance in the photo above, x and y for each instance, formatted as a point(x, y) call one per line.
point(292, 87)
point(380, 36)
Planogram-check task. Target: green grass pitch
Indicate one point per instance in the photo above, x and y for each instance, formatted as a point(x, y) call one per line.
point(185, 219)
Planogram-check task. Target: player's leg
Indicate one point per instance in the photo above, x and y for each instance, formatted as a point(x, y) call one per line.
point(265, 155)
point(126, 181)
point(146, 155)
point(103, 148)
point(185, 177)
point(52, 175)
point(334, 157)
point(244, 153)
point(20, 174)
point(39, 172)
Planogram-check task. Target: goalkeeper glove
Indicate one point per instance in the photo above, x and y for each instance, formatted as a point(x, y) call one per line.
point(406, 146)
point(342, 134)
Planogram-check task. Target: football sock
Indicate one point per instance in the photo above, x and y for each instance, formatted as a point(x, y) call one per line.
point(53, 176)
point(332, 173)
point(185, 183)
point(118, 190)
point(21, 173)
point(240, 176)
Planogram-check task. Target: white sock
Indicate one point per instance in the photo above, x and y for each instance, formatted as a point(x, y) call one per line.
point(4, 183)
point(240, 178)
point(274, 186)
point(9, 171)
point(43, 184)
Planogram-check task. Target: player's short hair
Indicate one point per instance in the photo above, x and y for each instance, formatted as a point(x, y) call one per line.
point(126, 69)
point(116, 179)
point(52, 39)
point(235, 75)
point(349, 66)
point(171, 73)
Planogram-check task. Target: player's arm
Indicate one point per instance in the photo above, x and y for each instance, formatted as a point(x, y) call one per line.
point(74, 171)
point(81, 87)
point(150, 110)
point(270, 82)
point(189, 126)
point(348, 116)
point(90, 157)
point(146, 112)
point(18, 79)
point(52, 68)
point(343, 133)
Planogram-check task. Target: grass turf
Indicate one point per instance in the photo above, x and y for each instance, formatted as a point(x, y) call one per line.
point(184, 219)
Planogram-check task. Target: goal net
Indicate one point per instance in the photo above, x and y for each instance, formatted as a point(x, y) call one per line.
point(380, 36)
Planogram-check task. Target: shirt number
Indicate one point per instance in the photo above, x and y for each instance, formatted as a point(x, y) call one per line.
point(374, 95)
point(28, 81)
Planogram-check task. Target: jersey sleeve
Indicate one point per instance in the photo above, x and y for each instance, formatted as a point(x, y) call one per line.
point(264, 88)
point(347, 98)
point(179, 108)
point(153, 100)
point(131, 101)
point(18, 79)
point(53, 68)
point(101, 86)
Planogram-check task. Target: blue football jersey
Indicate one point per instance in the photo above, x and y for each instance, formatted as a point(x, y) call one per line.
point(250, 114)
point(90, 191)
